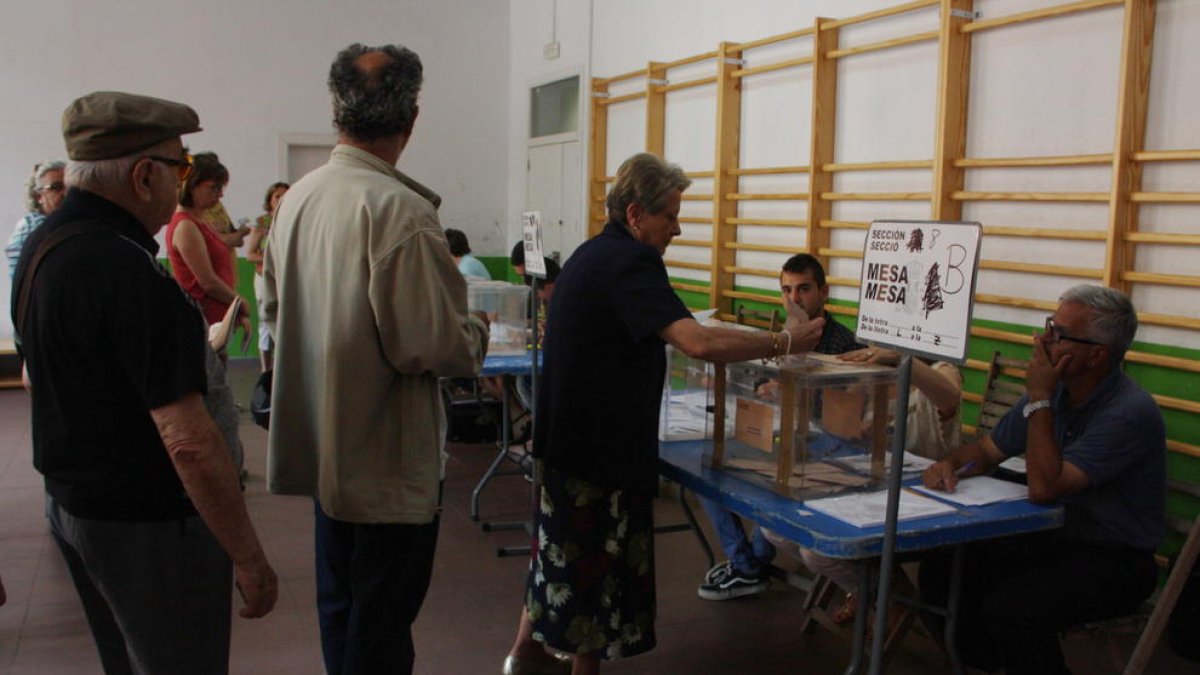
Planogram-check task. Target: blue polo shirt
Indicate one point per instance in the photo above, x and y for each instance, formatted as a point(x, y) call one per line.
point(605, 363)
point(1117, 437)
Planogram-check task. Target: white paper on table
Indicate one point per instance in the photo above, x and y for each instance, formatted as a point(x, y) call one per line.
point(1015, 464)
point(979, 491)
point(867, 509)
point(862, 463)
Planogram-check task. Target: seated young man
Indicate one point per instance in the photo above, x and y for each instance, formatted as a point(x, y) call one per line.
point(802, 281)
point(1094, 442)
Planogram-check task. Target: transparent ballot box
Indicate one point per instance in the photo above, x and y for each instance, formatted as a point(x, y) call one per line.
point(506, 306)
point(687, 402)
point(813, 426)
point(687, 398)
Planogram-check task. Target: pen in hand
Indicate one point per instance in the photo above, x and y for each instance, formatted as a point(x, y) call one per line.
point(962, 470)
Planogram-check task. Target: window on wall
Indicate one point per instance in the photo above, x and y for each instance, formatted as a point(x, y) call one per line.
point(554, 108)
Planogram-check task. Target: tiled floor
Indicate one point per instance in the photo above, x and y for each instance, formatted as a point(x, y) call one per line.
point(469, 617)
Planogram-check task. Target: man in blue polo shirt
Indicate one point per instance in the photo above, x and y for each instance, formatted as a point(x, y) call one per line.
point(1094, 442)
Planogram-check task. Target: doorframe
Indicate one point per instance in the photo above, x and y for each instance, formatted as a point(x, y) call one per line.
point(287, 140)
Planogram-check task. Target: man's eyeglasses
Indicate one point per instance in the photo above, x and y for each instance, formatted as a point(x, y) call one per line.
point(1054, 334)
point(183, 166)
point(56, 186)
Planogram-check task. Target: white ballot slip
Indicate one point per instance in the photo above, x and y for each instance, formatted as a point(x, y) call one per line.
point(867, 509)
point(980, 491)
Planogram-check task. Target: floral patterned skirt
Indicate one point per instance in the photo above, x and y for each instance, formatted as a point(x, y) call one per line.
point(591, 577)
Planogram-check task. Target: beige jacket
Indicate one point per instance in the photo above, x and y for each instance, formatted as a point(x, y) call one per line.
point(368, 309)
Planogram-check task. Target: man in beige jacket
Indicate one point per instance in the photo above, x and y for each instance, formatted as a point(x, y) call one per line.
point(369, 310)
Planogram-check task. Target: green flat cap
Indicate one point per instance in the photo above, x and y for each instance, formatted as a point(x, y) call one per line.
point(108, 124)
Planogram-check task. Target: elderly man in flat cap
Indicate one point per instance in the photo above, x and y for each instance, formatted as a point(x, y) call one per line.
point(141, 493)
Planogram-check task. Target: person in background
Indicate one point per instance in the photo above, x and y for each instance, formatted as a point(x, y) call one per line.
point(460, 248)
point(43, 193)
point(1094, 442)
point(801, 282)
point(591, 589)
point(199, 259)
point(255, 246)
point(516, 258)
point(219, 220)
point(141, 495)
point(369, 310)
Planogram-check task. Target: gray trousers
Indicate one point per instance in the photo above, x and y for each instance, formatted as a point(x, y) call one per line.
point(220, 404)
point(157, 594)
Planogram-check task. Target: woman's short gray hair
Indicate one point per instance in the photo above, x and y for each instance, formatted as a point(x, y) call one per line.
point(647, 180)
point(1114, 321)
point(35, 179)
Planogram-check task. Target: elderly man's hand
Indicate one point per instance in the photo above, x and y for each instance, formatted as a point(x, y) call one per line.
point(259, 586)
point(1043, 375)
point(940, 476)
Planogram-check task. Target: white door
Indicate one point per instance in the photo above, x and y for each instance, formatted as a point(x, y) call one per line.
point(304, 158)
point(552, 188)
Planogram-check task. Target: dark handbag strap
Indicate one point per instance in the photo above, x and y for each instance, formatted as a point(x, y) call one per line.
point(58, 236)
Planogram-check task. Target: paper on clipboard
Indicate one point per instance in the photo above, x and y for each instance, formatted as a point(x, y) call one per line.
point(980, 491)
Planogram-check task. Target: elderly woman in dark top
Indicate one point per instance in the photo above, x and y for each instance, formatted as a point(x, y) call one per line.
point(590, 589)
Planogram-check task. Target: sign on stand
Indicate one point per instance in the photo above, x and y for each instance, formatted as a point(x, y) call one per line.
point(531, 231)
point(918, 287)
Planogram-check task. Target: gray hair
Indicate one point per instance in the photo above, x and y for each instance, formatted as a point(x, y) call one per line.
point(102, 174)
point(647, 180)
point(375, 102)
point(35, 179)
point(1114, 321)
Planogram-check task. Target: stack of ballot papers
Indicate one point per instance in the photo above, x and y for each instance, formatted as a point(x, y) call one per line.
point(868, 509)
point(979, 491)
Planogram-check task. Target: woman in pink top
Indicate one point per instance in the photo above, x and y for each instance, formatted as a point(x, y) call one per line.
point(199, 259)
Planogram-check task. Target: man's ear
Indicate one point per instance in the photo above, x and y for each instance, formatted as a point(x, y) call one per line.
point(141, 179)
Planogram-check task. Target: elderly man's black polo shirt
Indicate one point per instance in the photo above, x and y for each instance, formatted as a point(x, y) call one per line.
point(109, 336)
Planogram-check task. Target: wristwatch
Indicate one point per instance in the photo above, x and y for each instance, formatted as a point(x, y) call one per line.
point(1034, 406)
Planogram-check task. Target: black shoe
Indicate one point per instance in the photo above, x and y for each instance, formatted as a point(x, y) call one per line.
point(723, 582)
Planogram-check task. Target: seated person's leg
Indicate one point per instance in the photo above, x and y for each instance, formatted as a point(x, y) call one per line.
point(741, 574)
point(1061, 584)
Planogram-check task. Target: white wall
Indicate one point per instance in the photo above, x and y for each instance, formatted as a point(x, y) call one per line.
point(253, 71)
point(1043, 88)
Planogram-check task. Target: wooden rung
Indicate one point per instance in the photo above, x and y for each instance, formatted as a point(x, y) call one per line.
point(1039, 268)
point(687, 60)
point(695, 220)
point(767, 196)
point(1001, 335)
point(1188, 488)
point(743, 246)
point(875, 196)
point(972, 397)
point(767, 171)
point(621, 99)
point(742, 295)
point(880, 13)
point(873, 166)
point(686, 84)
point(1167, 155)
point(1044, 233)
point(965, 196)
point(689, 287)
point(840, 252)
point(1170, 362)
point(693, 243)
point(1165, 197)
point(770, 67)
point(766, 222)
point(1168, 320)
point(1009, 301)
point(687, 265)
point(752, 271)
point(696, 197)
point(1172, 403)
point(844, 224)
point(1166, 238)
point(1183, 448)
point(699, 174)
point(848, 282)
point(1005, 162)
point(1033, 15)
point(641, 72)
point(1162, 279)
point(841, 309)
point(883, 44)
point(782, 37)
